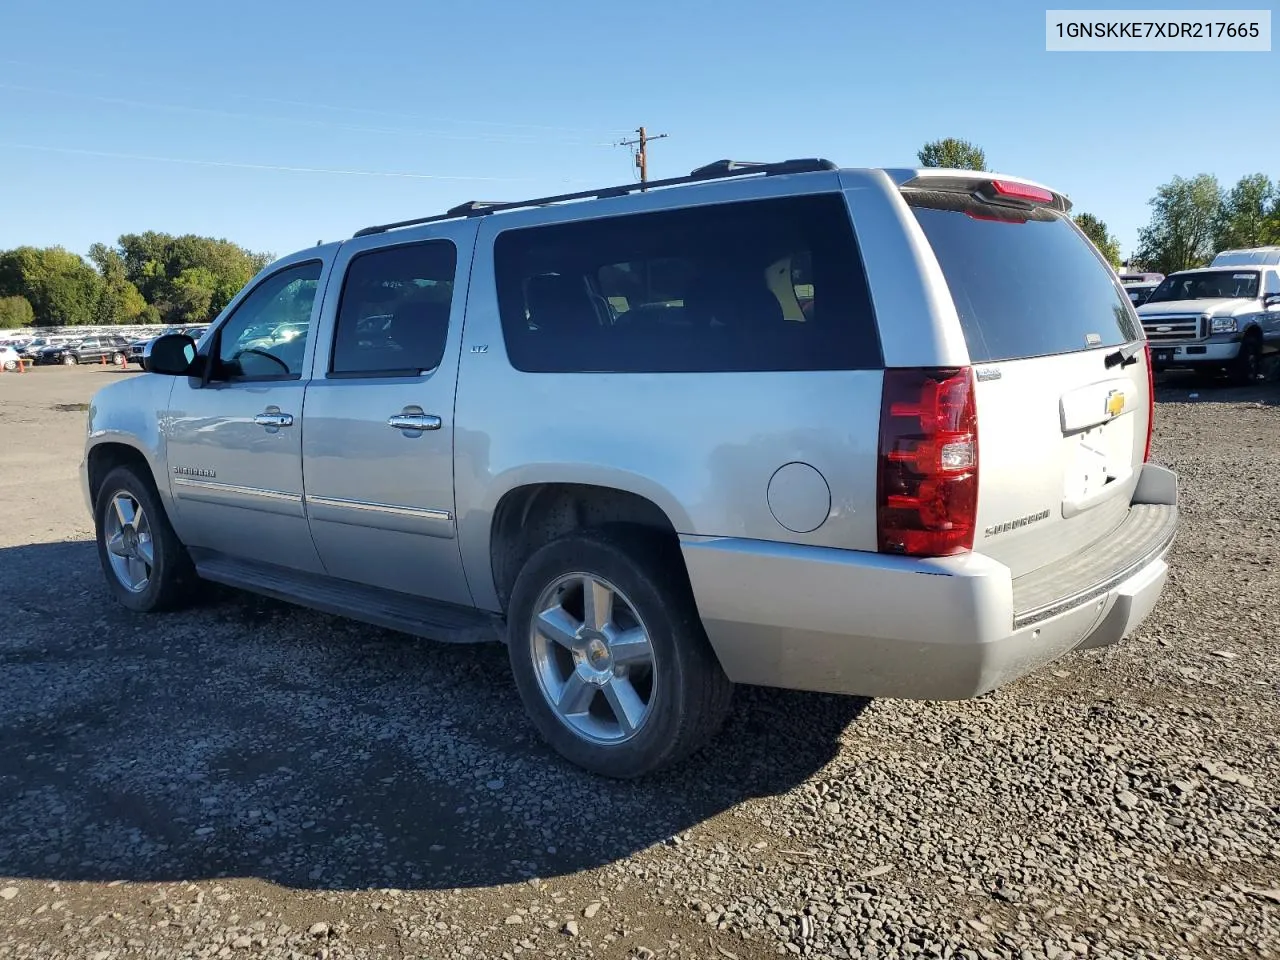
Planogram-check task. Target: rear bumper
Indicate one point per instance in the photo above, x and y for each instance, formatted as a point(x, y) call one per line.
point(843, 621)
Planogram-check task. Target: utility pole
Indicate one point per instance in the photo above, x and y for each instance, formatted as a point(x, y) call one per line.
point(642, 154)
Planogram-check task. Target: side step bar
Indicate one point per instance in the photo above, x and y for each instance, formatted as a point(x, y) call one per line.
point(444, 622)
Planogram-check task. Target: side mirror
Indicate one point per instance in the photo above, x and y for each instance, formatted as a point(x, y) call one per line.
point(1271, 300)
point(173, 354)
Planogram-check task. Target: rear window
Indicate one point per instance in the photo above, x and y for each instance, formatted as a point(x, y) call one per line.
point(1025, 284)
point(760, 285)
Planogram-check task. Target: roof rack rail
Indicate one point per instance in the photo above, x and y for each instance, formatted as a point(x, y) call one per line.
point(472, 208)
point(711, 171)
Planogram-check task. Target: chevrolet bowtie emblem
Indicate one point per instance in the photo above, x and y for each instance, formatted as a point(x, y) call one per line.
point(1115, 403)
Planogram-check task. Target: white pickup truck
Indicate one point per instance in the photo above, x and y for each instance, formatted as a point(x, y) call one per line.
point(1216, 318)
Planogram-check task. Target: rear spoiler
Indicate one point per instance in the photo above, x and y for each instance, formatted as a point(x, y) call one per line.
point(970, 182)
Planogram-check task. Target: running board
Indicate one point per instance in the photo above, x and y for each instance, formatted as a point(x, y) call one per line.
point(445, 622)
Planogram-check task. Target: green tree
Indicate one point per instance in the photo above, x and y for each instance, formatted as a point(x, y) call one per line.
point(61, 288)
point(1244, 219)
point(1185, 214)
point(950, 152)
point(155, 264)
point(193, 292)
point(15, 312)
point(1097, 231)
point(1271, 226)
point(121, 301)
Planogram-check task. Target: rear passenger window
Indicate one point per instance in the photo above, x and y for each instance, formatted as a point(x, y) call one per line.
point(393, 317)
point(767, 285)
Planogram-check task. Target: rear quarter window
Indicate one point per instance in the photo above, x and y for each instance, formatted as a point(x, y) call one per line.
point(1025, 283)
point(758, 285)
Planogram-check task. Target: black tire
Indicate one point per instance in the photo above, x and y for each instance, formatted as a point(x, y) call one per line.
point(118, 359)
point(172, 576)
point(1248, 363)
point(69, 360)
point(689, 694)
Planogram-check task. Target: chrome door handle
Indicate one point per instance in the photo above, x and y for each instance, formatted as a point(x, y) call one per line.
point(274, 419)
point(414, 421)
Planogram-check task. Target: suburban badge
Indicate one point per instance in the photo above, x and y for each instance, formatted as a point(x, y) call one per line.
point(194, 472)
point(1015, 524)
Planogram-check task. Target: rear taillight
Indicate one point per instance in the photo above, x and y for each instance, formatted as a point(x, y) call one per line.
point(1151, 403)
point(927, 501)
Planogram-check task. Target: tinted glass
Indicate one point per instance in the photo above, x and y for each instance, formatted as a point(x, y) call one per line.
point(1207, 285)
point(266, 336)
point(393, 318)
point(759, 285)
point(1024, 284)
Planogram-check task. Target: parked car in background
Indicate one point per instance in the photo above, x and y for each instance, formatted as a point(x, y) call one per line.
point(1139, 292)
point(31, 349)
point(1254, 256)
point(8, 358)
point(88, 350)
point(138, 349)
point(1215, 319)
point(781, 424)
point(1128, 278)
point(276, 336)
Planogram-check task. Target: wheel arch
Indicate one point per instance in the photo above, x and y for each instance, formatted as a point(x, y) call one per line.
point(110, 453)
point(533, 514)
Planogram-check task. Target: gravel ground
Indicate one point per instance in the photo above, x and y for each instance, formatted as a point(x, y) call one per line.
point(250, 779)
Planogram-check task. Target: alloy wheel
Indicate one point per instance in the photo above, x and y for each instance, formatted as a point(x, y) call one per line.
point(130, 547)
point(593, 658)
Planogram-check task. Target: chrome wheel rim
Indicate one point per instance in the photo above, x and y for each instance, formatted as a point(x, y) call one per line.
point(130, 548)
point(593, 658)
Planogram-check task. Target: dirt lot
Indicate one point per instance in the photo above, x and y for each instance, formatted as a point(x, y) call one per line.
point(250, 779)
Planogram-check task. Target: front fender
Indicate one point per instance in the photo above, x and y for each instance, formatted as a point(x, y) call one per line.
point(130, 413)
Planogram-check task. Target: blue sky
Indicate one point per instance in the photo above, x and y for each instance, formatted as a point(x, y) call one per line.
point(98, 101)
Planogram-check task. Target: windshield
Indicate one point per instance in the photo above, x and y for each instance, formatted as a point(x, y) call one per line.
point(1207, 285)
point(1025, 284)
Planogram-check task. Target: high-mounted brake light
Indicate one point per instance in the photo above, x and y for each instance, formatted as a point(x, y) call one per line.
point(1151, 403)
point(1009, 218)
point(927, 498)
point(1021, 191)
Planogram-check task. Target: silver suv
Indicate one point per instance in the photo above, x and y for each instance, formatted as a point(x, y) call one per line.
point(877, 432)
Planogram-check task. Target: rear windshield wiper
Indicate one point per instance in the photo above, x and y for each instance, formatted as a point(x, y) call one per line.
point(1126, 355)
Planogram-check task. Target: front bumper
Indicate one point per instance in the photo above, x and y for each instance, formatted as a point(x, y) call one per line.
point(843, 621)
point(1190, 354)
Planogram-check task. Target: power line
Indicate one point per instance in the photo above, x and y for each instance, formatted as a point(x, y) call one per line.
point(400, 115)
point(264, 166)
point(302, 121)
point(642, 154)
